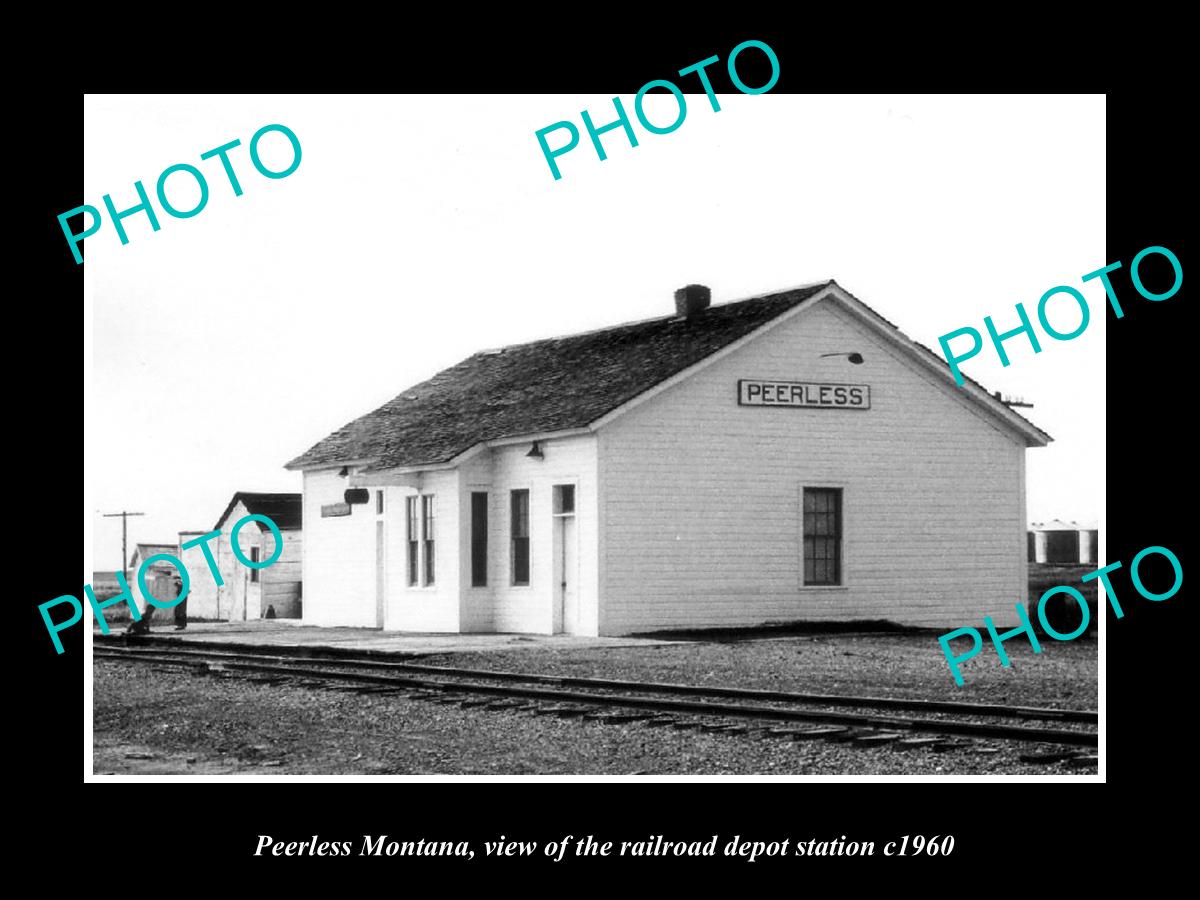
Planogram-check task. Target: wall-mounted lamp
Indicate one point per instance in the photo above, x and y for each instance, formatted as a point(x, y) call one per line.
point(535, 452)
point(855, 358)
point(1010, 402)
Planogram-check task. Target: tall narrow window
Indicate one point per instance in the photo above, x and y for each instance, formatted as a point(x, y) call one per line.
point(479, 536)
point(254, 559)
point(379, 503)
point(520, 537)
point(427, 515)
point(822, 536)
point(411, 536)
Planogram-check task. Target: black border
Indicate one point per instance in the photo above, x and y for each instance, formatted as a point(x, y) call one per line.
point(1019, 830)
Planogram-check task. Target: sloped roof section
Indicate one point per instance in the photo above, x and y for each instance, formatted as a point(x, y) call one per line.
point(1060, 525)
point(285, 510)
point(984, 399)
point(145, 551)
point(571, 382)
point(544, 386)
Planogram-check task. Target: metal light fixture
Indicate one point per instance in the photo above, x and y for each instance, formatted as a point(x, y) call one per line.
point(855, 358)
point(1010, 402)
point(535, 452)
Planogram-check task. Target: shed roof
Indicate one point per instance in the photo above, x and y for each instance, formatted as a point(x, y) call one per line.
point(144, 551)
point(285, 510)
point(559, 384)
point(151, 549)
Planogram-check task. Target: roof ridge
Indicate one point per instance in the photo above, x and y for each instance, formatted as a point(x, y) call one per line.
point(492, 351)
point(255, 498)
point(550, 384)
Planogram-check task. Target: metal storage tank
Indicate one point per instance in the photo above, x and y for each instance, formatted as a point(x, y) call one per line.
point(1056, 543)
point(1089, 545)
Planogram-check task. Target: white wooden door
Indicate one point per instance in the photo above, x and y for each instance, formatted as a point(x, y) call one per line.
point(380, 573)
point(568, 585)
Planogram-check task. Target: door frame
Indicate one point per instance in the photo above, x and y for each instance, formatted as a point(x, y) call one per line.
point(381, 558)
point(558, 594)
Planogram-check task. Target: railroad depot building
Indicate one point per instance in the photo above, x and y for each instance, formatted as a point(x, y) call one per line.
point(790, 457)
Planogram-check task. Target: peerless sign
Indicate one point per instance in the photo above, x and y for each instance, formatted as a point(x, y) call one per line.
point(803, 393)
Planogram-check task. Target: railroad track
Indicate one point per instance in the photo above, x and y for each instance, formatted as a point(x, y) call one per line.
point(802, 716)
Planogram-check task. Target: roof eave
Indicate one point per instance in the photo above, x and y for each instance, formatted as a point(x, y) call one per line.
point(720, 353)
point(469, 453)
point(1032, 435)
point(296, 466)
point(999, 412)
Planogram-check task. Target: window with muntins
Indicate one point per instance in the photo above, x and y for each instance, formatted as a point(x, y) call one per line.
point(412, 538)
point(822, 536)
point(427, 515)
point(520, 537)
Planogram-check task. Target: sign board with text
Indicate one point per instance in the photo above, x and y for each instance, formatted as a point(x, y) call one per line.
point(805, 394)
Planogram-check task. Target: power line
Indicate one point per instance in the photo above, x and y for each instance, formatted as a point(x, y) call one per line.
point(124, 515)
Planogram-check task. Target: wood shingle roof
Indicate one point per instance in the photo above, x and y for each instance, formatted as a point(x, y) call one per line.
point(544, 386)
point(285, 510)
point(565, 383)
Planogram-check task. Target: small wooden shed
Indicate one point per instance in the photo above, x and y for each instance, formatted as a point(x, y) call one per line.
point(274, 592)
point(202, 598)
point(159, 577)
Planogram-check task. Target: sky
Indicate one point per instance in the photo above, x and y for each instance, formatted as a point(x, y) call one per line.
point(419, 229)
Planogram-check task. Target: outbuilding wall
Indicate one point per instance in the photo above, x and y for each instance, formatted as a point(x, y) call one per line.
point(202, 587)
point(241, 598)
point(282, 584)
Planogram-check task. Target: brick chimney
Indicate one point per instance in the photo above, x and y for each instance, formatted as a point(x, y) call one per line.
point(692, 300)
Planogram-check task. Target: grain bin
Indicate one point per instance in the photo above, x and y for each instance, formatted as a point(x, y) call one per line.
point(1089, 545)
point(1056, 543)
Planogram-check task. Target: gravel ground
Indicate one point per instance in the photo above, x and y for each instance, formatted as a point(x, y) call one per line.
point(1063, 675)
point(161, 721)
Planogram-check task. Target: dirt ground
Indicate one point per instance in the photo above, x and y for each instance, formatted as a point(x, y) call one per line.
point(152, 721)
point(1063, 675)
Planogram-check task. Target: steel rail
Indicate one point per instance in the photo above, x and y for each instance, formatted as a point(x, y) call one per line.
point(1087, 716)
point(750, 711)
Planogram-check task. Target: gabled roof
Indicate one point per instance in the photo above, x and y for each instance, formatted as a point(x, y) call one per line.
point(971, 390)
point(545, 386)
point(285, 510)
point(570, 382)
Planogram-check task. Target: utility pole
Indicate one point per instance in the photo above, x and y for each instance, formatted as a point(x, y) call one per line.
point(124, 534)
